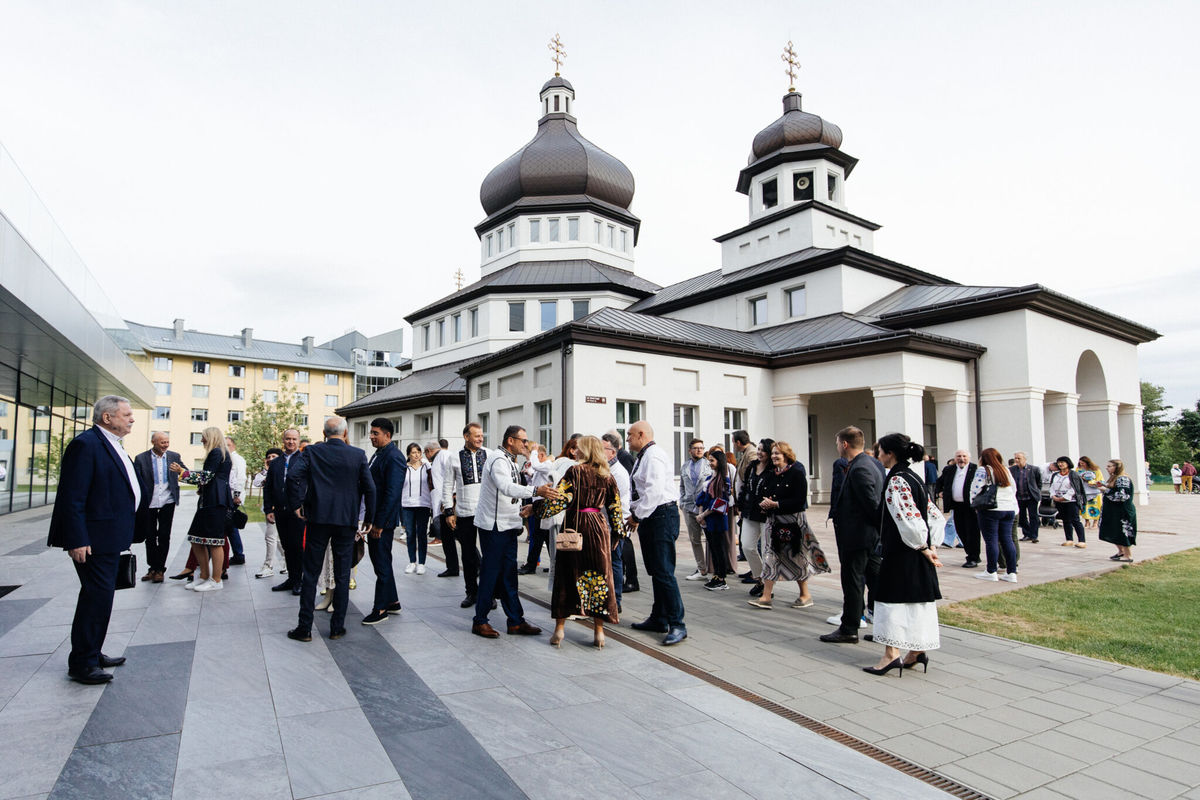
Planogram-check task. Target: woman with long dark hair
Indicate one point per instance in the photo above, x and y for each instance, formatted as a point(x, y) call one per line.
point(1092, 481)
point(754, 490)
point(416, 507)
point(1069, 496)
point(907, 588)
point(996, 524)
point(1118, 517)
point(713, 502)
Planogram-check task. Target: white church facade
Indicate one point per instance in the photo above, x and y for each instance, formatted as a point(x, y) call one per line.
point(801, 331)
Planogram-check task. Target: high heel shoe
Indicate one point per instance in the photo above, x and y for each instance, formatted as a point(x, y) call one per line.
point(556, 639)
point(922, 659)
point(887, 669)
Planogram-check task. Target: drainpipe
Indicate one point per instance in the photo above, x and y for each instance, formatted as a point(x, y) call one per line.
point(978, 409)
point(567, 349)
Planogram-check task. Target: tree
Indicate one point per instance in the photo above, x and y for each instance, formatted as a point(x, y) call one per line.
point(1154, 409)
point(263, 424)
point(1189, 427)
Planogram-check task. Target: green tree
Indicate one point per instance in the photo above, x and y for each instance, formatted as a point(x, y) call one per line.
point(1154, 408)
point(46, 461)
point(1189, 428)
point(263, 424)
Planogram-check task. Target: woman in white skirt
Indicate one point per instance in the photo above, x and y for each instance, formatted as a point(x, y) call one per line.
point(910, 531)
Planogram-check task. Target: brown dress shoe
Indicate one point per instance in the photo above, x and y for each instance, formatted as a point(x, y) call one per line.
point(485, 630)
point(148, 576)
point(158, 578)
point(524, 629)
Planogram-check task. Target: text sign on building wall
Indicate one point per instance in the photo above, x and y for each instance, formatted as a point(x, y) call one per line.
point(593, 399)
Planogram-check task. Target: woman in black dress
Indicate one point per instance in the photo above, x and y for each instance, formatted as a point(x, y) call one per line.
point(209, 527)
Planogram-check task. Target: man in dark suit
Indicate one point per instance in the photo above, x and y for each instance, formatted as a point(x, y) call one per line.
point(278, 510)
point(93, 520)
point(159, 486)
point(327, 486)
point(955, 488)
point(388, 471)
point(856, 529)
point(1028, 480)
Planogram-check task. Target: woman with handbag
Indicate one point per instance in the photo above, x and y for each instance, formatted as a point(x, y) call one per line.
point(209, 528)
point(713, 502)
point(1070, 496)
point(583, 579)
point(792, 552)
point(994, 497)
point(755, 488)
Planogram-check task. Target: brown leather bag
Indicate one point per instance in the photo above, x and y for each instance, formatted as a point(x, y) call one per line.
point(568, 539)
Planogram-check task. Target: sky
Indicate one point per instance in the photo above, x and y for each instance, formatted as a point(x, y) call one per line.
point(304, 168)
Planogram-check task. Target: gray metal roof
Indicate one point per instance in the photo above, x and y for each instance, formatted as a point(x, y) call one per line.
point(913, 297)
point(795, 127)
point(194, 343)
point(415, 386)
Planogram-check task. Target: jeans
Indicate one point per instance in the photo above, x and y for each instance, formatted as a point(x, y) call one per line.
point(341, 541)
point(618, 570)
point(629, 564)
point(415, 520)
point(235, 542)
point(657, 534)
point(157, 523)
point(1028, 517)
point(498, 575)
point(380, 551)
point(751, 536)
point(996, 527)
point(1069, 514)
point(718, 552)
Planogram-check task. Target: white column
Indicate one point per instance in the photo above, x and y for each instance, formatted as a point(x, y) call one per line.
point(1014, 419)
point(1098, 430)
point(1062, 425)
point(952, 416)
point(898, 409)
point(1133, 448)
point(791, 421)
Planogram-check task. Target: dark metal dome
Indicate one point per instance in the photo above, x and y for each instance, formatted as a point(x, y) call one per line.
point(556, 82)
point(794, 128)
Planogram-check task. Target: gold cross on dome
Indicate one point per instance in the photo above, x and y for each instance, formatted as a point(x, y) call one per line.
point(556, 47)
point(793, 66)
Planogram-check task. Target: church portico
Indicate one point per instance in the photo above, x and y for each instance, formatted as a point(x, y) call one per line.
point(1014, 420)
point(1061, 424)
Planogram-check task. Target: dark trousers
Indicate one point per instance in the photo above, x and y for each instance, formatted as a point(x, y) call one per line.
point(416, 525)
point(235, 542)
point(657, 534)
point(618, 569)
point(498, 575)
point(1069, 514)
point(97, 585)
point(157, 523)
point(465, 533)
point(629, 564)
point(380, 551)
point(966, 524)
point(341, 541)
point(859, 571)
point(291, 537)
point(537, 540)
point(1027, 517)
point(718, 552)
point(996, 527)
point(442, 531)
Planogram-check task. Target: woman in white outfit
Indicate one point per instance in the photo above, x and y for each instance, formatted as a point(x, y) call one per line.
point(416, 506)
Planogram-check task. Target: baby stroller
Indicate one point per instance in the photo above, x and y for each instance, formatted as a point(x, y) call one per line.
point(1047, 513)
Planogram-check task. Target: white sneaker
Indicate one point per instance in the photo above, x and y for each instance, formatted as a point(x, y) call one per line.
point(410, 569)
point(697, 576)
point(209, 586)
point(836, 619)
point(265, 572)
point(986, 576)
point(1011, 577)
point(194, 585)
point(420, 569)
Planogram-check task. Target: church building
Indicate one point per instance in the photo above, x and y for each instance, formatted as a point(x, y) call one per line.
point(800, 331)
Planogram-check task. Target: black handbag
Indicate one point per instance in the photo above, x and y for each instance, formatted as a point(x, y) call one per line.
point(127, 571)
point(986, 499)
point(236, 517)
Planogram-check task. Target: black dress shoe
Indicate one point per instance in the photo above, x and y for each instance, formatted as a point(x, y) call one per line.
point(237, 561)
point(467, 602)
point(91, 676)
point(448, 573)
point(630, 588)
point(749, 579)
point(674, 636)
point(300, 635)
point(337, 634)
point(286, 586)
point(295, 591)
point(394, 607)
point(653, 627)
point(837, 637)
point(527, 570)
point(757, 590)
point(969, 564)
point(108, 663)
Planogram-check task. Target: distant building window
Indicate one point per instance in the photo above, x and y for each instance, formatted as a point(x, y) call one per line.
point(302, 398)
point(474, 316)
point(512, 234)
point(163, 363)
point(424, 423)
point(485, 390)
point(758, 311)
point(199, 415)
point(573, 229)
point(535, 230)
point(236, 416)
point(770, 193)
point(500, 240)
point(457, 327)
point(611, 236)
point(489, 245)
point(237, 371)
point(597, 230)
point(331, 379)
point(162, 412)
point(516, 316)
point(237, 393)
point(302, 420)
point(549, 314)
point(628, 412)
point(545, 418)
point(483, 425)
point(441, 325)
point(200, 367)
point(270, 373)
point(624, 240)
point(735, 420)
point(197, 438)
point(270, 396)
point(301, 376)
point(797, 302)
point(331, 399)
point(199, 391)
point(425, 337)
point(554, 237)
point(162, 388)
point(580, 308)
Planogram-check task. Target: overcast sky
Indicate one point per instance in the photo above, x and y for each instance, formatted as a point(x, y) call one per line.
point(307, 167)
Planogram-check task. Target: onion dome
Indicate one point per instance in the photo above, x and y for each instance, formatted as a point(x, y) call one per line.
point(794, 128)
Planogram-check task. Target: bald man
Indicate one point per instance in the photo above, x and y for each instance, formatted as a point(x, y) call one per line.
point(654, 514)
point(955, 488)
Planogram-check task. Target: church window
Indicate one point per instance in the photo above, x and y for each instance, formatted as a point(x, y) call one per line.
point(516, 316)
point(549, 309)
point(554, 237)
point(425, 337)
point(797, 302)
point(441, 328)
point(770, 193)
point(489, 245)
point(567, 101)
point(624, 240)
point(758, 311)
point(512, 234)
point(597, 231)
point(832, 185)
point(458, 327)
point(611, 234)
point(556, 102)
point(546, 106)
point(573, 229)
point(474, 316)
point(580, 308)
point(500, 240)
point(545, 417)
point(535, 230)
point(802, 186)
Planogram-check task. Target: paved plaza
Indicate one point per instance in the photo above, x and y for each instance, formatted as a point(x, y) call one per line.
point(215, 701)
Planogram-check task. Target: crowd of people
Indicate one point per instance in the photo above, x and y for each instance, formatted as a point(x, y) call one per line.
point(583, 508)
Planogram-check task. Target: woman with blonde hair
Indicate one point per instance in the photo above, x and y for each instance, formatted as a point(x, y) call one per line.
point(210, 524)
point(583, 579)
point(1092, 479)
point(1118, 517)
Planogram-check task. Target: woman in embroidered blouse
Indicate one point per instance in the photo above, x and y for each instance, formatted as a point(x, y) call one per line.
point(583, 579)
point(1118, 519)
point(1069, 496)
point(208, 529)
point(416, 505)
point(1092, 479)
point(907, 587)
point(996, 524)
point(713, 502)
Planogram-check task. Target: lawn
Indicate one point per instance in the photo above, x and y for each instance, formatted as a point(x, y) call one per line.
point(1144, 615)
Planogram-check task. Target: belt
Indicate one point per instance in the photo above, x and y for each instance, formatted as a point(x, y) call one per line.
point(590, 510)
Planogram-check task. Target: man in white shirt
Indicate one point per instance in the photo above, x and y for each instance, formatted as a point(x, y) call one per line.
point(623, 564)
point(654, 514)
point(237, 485)
point(955, 488)
point(498, 518)
point(160, 496)
point(460, 494)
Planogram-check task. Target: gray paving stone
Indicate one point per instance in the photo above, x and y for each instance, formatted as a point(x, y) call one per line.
point(309, 740)
point(1043, 707)
point(447, 762)
point(1014, 774)
point(1151, 759)
point(982, 783)
point(956, 739)
point(994, 730)
point(1134, 781)
point(259, 778)
point(504, 724)
point(394, 790)
point(1139, 727)
point(567, 774)
point(920, 750)
point(119, 770)
point(700, 785)
point(1026, 753)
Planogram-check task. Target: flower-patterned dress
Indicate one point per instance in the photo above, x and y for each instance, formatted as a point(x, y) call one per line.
point(1095, 499)
point(907, 587)
point(583, 580)
point(1118, 520)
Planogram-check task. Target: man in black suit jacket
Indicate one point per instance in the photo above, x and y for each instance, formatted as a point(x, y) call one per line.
point(159, 485)
point(278, 509)
point(955, 488)
point(93, 520)
point(388, 471)
point(327, 486)
point(1028, 479)
point(856, 528)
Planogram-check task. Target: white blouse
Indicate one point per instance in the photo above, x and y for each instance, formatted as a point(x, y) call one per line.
point(1060, 486)
point(416, 487)
point(903, 508)
point(1006, 496)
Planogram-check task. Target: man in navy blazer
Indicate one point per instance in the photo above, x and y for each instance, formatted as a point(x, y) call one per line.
point(856, 530)
point(955, 488)
point(327, 486)
point(159, 485)
point(282, 514)
point(388, 471)
point(93, 520)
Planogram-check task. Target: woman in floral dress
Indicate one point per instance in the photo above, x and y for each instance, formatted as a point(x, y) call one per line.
point(583, 580)
point(1118, 520)
point(1090, 472)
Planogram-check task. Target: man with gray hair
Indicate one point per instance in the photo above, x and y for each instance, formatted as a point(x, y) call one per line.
point(93, 520)
point(326, 488)
point(160, 495)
